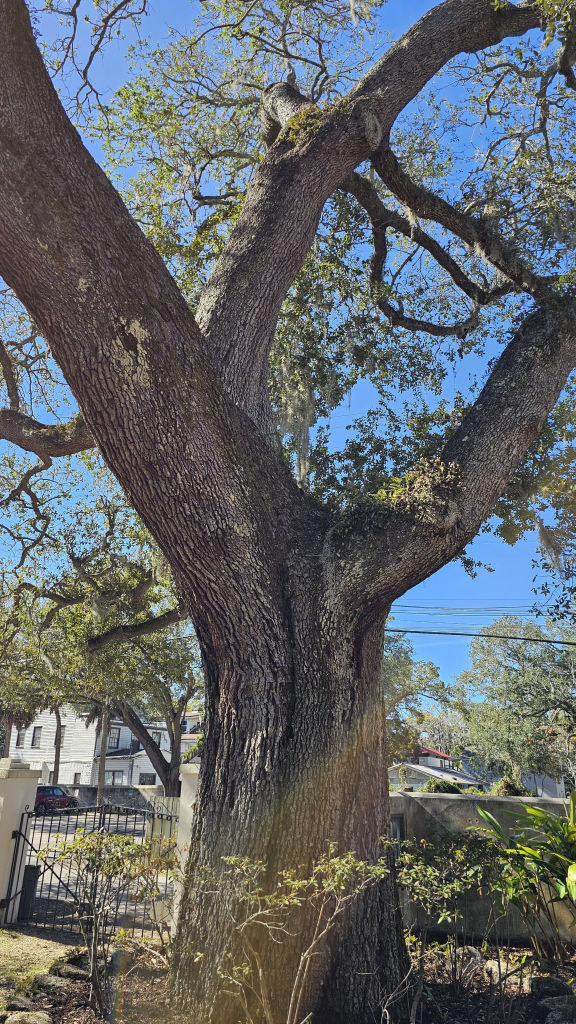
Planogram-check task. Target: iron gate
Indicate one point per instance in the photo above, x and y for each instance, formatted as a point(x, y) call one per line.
point(43, 894)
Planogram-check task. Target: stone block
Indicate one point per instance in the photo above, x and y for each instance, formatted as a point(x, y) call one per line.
point(29, 1017)
point(51, 982)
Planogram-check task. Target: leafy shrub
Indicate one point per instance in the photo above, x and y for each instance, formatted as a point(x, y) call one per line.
point(508, 787)
point(541, 870)
point(108, 865)
point(440, 786)
point(332, 884)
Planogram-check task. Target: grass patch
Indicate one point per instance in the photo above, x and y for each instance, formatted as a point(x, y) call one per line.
point(23, 955)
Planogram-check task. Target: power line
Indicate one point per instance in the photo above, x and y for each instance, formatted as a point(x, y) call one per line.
point(484, 636)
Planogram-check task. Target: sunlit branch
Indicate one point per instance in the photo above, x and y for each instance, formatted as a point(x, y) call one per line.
point(46, 441)
point(129, 632)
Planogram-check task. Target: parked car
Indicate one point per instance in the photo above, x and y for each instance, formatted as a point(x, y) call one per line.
point(52, 798)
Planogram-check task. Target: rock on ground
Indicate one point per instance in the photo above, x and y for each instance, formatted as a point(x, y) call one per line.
point(73, 973)
point(549, 986)
point(563, 1009)
point(19, 1003)
point(29, 1017)
point(51, 982)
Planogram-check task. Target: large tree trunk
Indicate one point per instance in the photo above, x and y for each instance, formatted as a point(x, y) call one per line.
point(294, 758)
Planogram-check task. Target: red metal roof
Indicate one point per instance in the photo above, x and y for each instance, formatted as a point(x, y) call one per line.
point(438, 753)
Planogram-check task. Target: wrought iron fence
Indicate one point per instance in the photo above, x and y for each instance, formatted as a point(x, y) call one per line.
point(44, 893)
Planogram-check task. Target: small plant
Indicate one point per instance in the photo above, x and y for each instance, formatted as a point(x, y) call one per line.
point(437, 874)
point(107, 866)
point(333, 884)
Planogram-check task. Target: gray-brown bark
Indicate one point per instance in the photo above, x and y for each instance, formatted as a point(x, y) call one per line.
point(54, 440)
point(57, 745)
point(288, 602)
point(104, 733)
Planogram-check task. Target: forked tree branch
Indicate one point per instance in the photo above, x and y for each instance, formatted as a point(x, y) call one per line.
point(381, 219)
point(472, 230)
point(301, 170)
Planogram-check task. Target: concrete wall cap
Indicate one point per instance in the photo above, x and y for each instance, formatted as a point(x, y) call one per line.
point(13, 769)
point(189, 769)
point(537, 800)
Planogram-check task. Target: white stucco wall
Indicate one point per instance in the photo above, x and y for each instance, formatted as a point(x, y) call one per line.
point(18, 784)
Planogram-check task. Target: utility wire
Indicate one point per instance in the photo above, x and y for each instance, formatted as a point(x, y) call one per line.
point(484, 636)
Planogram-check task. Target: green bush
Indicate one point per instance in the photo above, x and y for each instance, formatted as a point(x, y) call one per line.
point(540, 871)
point(508, 787)
point(440, 786)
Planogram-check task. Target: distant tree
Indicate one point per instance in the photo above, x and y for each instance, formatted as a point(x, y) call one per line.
point(410, 686)
point(445, 729)
point(146, 680)
point(519, 699)
point(504, 743)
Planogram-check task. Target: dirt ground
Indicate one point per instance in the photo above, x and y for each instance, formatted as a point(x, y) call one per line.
point(450, 996)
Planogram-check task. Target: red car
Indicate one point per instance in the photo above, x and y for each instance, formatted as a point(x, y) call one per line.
point(52, 798)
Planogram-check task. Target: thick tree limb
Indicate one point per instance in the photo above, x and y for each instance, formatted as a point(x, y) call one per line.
point(9, 378)
point(51, 441)
point(130, 632)
point(285, 201)
point(427, 529)
point(130, 347)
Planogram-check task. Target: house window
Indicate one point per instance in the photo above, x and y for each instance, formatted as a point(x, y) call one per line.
point(77, 778)
point(20, 737)
point(113, 778)
point(62, 731)
point(114, 738)
point(147, 780)
point(157, 736)
point(37, 736)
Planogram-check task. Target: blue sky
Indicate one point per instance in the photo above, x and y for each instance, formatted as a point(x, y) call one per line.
point(509, 586)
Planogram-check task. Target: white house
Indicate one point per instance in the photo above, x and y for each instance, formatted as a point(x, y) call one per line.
point(416, 775)
point(434, 764)
point(127, 764)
